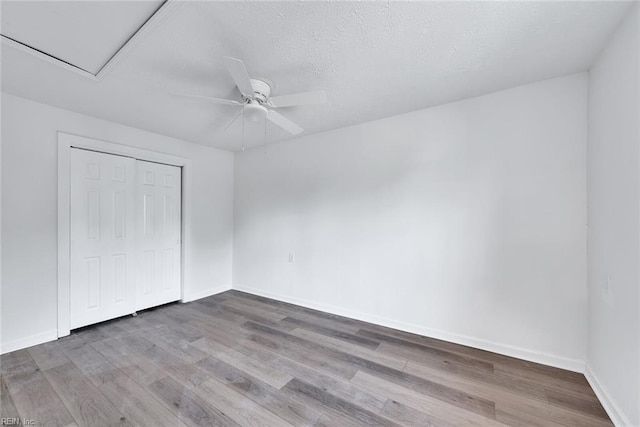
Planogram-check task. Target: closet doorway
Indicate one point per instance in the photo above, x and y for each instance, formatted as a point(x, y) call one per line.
point(125, 236)
point(121, 230)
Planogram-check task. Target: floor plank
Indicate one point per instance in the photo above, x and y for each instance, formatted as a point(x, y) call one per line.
point(241, 359)
point(309, 316)
point(484, 385)
point(408, 416)
point(48, 355)
point(85, 402)
point(7, 407)
point(293, 347)
point(187, 406)
point(296, 310)
point(441, 359)
point(544, 379)
point(187, 374)
point(550, 413)
point(436, 408)
point(244, 411)
point(176, 343)
point(586, 406)
point(290, 409)
point(92, 364)
point(365, 353)
point(457, 397)
point(274, 377)
point(332, 333)
point(32, 395)
point(317, 395)
point(273, 360)
point(140, 407)
point(254, 312)
point(17, 362)
point(130, 363)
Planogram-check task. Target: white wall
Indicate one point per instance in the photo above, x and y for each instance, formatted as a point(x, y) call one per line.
point(29, 212)
point(466, 221)
point(613, 197)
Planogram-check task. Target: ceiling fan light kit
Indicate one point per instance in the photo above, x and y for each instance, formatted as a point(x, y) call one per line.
point(256, 97)
point(254, 111)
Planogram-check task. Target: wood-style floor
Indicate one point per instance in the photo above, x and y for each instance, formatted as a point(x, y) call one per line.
point(237, 359)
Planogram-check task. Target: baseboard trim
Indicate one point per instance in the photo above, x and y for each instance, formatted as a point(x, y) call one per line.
point(207, 293)
point(43, 337)
point(617, 416)
point(575, 365)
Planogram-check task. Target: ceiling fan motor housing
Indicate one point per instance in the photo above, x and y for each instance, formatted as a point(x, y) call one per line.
point(261, 90)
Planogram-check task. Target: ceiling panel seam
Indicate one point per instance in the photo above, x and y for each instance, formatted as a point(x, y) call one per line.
point(151, 24)
point(47, 57)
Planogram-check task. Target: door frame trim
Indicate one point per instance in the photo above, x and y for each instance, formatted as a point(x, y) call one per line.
point(65, 142)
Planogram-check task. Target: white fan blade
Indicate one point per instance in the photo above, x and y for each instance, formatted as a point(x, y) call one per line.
point(209, 99)
point(239, 75)
point(284, 123)
point(304, 98)
point(233, 121)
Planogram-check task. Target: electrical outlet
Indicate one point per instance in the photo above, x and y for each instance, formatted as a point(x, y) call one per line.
point(292, 257)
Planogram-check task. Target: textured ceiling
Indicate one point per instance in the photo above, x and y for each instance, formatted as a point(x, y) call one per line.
point(374, 59)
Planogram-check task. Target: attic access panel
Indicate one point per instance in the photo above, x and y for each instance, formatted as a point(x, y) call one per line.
point(84, 34)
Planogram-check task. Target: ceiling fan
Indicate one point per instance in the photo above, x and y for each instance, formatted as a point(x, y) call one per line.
point(257, 102)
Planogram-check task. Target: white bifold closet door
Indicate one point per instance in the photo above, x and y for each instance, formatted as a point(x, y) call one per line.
point(158, 233)
point(125, 236)
point(102, 237)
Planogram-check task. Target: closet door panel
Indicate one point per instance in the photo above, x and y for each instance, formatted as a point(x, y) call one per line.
point(102, 237)
point(159, 238)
